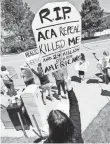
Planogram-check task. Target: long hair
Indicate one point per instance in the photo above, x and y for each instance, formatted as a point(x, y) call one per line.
point(82, 57)
point(61, 128)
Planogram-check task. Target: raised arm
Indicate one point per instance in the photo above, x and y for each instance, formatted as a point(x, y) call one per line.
point(37, 74)
point(75, 115)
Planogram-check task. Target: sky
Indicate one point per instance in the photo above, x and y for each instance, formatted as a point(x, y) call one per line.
point(35, 5)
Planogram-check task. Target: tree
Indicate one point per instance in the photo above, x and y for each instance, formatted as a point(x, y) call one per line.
point(17, 20)
point(92, 17)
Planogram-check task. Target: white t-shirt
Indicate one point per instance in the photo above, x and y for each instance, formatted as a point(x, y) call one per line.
point(102, 63)
point(5, 75)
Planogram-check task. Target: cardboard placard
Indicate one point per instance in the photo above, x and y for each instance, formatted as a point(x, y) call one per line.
point(32, 57)
point(57, 31)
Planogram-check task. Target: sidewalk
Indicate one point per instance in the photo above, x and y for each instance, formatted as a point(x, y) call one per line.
point(90, 101)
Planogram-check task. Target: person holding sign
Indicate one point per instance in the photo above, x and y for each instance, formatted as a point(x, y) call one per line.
point(64, 129)
point(59, 77)
point(27, 75)
point(45, 83)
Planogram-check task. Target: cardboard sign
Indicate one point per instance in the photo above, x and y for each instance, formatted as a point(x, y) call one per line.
point(32, 57)
point(57, 31)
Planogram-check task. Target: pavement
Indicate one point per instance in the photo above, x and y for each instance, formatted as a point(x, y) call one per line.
point(89, 95)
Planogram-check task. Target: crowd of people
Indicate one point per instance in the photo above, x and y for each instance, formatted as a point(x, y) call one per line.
point(62, 128)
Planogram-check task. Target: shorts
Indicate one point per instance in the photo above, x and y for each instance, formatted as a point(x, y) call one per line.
point(46, 87)
point(81, 73)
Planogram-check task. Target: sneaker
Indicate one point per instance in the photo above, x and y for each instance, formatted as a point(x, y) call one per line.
point(44, 102)
point(65, 96)
point(51, 98)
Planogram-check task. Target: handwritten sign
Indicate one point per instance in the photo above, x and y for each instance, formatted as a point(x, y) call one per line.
point(32, 57)
point(57, 31)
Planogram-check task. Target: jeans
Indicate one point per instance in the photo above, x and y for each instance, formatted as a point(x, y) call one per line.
point(10, 86)
point(60, 83)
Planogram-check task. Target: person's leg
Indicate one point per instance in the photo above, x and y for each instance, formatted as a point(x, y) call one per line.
point(8, 87)
point(109, 74)
point(44, 95)
point(63, 87)
point(50, 92)
point(79, 72)
point(13, 89)
point(105, 76)
point(81, 75)
point(58, 83)
point(108, 78)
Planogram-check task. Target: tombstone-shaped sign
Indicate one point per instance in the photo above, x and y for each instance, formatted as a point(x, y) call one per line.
point(57, 31)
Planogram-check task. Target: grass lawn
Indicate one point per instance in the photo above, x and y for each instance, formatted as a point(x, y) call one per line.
point(99, 129)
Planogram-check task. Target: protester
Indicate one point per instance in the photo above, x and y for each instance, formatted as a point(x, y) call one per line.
point(8, 82)
point(81, 66)
point(45, 83)
point(59, 77)
point(104, 66)
point(27, 75)
point(64, 129)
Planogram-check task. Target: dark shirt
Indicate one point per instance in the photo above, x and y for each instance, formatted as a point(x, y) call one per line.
point(75, 115)
point(43, 78)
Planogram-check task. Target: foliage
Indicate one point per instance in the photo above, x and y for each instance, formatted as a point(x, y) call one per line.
point(92, 16)
point(17, 20)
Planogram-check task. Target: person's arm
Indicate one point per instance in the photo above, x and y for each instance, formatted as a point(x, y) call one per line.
point(36, 73)
point(74, 113)
point(94, 54)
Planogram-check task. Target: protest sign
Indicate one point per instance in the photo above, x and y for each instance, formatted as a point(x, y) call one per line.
point(57, 31)
point(32, 57)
